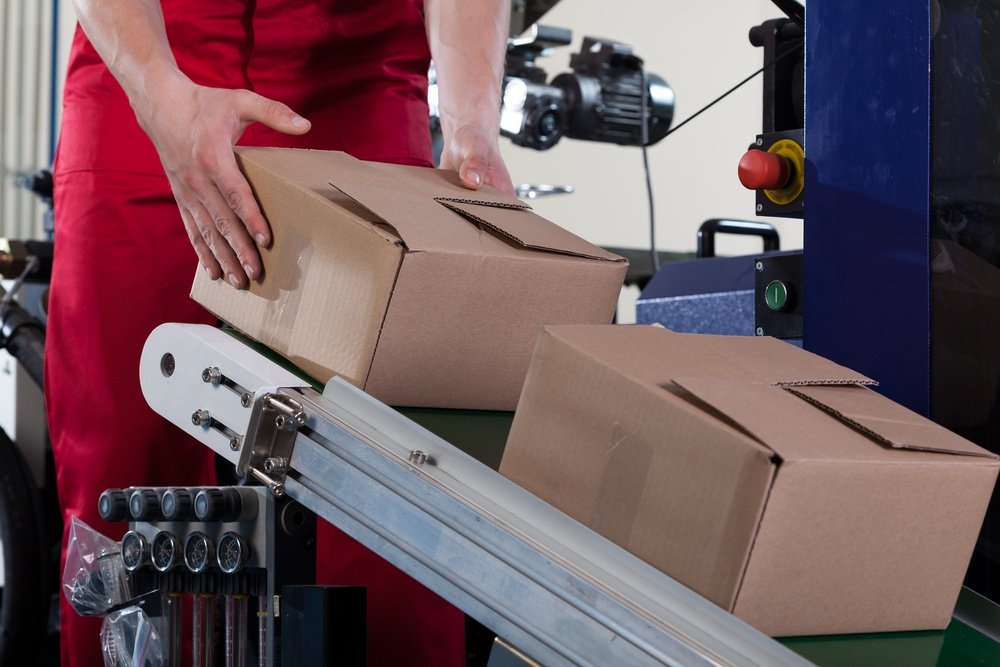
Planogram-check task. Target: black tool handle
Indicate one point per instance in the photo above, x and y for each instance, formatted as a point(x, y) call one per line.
point(709, 228)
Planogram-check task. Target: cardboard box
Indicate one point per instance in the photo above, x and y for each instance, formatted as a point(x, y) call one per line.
point(406, 284)
point(767, 479)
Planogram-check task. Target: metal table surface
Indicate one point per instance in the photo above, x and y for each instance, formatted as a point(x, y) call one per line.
point(483, 434)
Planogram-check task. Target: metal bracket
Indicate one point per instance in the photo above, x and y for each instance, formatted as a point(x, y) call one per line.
point(270, 439)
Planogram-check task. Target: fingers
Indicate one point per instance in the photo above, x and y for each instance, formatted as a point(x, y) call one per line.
point(473, 150)
point(198, 241)
point(471, 173)
point(475, 170)
point(226, 236)
point(195, 140)
point(219, 225)
point(239, 199)
point(275, 115)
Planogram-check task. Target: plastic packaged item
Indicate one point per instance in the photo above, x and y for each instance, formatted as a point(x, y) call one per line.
point(129, 639)
point(94, 578)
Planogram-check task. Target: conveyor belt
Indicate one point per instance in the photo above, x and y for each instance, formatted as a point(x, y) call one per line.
point(619, 606)
point(483, 435)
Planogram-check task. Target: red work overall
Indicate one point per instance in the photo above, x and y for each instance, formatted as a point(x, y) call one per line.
point(355, 68)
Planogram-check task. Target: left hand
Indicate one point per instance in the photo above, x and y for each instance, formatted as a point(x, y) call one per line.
point(474, 151)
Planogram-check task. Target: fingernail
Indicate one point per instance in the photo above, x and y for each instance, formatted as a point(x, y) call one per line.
point(249, 270)
point(261, 239)
point(234, 280)
point(474, 177)
point(300, 123)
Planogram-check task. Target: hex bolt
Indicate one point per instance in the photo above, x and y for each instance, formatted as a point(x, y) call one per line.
point(201, 418)
point(418, 457)
point(211, 375)
point(290, 423)
point(275, 465)
point(235, 442)
point(246, 400)
point(759, 265)
point(276, 488)
point(760, 331)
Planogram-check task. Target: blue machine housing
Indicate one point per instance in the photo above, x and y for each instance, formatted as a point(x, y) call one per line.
point(714, 295)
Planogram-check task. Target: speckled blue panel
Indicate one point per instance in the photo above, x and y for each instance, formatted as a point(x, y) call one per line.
point(728, 313)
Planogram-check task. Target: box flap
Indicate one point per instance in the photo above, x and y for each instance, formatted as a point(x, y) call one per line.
point(781, 420)
point(655, 356)
point(523, 228)
point(886, 421)
point(302, 170)
point(414, 202)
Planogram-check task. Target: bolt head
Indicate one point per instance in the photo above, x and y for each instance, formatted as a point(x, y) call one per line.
point(234, 443)
point(246, 400)
point(275, 464)
point(760, 331)
point(759, 265)
point(760, 207)
point(760, 142)
point(211, 375)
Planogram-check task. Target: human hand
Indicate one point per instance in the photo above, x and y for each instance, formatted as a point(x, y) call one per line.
point(194, 129)
point(474, 152)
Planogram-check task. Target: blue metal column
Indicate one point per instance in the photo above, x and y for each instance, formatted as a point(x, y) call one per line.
point(867, 134)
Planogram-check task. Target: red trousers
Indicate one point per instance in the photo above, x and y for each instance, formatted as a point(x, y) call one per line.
point(123, 263)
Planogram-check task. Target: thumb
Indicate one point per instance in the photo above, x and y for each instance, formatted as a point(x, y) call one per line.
point(275, 115)
point(471, 173)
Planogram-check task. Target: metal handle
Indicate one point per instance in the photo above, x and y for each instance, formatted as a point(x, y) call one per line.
point(709, 228)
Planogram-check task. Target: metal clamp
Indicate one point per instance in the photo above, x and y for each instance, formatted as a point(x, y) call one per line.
point(269, 441)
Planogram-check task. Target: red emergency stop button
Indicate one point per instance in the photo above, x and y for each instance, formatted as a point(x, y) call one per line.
point(761, 170)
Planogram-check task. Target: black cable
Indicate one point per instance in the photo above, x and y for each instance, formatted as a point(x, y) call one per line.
point(652, 216)
point(645, 138)
point(728, 92)
point(645, 167)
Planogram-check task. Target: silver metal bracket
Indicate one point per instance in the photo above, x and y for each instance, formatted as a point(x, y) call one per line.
point(270, 439)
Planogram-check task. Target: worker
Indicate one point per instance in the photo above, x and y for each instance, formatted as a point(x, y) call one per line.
point(147, 187)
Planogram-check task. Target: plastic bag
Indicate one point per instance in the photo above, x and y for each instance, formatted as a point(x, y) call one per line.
point(94, 579)
point(129, 639)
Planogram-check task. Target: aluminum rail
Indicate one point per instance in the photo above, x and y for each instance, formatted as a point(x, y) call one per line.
point(547, 584)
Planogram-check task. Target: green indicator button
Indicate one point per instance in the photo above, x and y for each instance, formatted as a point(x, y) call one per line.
point(776, 295)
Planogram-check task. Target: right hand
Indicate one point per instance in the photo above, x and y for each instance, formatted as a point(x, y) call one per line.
point(194, 129)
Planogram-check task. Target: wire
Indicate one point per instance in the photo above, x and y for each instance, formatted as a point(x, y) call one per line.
point(729, 92)
point(645, 167)
point(652, 216)
point(645, 139)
